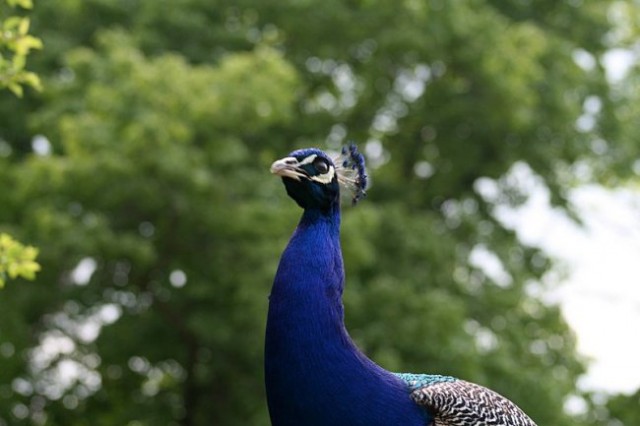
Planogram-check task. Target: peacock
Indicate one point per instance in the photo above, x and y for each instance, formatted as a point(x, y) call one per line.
point(314, 373)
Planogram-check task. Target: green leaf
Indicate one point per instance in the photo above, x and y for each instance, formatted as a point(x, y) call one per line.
point(16, 89)
point(25, 4)
point(17, 260)
point(12, 23)
point(34, 42)
point(32, 80)
point(23, 27)
point(19, 61)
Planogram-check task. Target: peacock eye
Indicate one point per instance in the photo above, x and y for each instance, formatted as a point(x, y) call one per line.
point(321, 165)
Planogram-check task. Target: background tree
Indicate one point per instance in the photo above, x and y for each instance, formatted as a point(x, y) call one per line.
point(142, 175)
point(625, 408)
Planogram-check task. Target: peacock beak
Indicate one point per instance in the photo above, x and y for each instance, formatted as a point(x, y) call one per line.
point(288, 167)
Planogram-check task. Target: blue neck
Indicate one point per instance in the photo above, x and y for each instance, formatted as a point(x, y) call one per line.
point(314, 373)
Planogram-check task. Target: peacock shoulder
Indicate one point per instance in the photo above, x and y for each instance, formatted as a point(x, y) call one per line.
point(455, 402)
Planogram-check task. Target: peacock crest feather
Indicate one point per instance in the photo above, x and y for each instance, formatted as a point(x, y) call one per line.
point(351, 172)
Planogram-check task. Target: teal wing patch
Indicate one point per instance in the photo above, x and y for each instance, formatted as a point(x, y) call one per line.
point(417, 381)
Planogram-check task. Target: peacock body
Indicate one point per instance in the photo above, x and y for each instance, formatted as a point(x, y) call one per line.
point(314, 373)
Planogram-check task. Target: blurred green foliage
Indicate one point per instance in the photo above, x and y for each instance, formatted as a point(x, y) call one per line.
point(141, 173)
point(624, 408)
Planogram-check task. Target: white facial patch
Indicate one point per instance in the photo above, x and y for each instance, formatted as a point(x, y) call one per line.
point(325, 178)
point(307, 160)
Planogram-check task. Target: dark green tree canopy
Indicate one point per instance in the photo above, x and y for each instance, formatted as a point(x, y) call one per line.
point(160, 228)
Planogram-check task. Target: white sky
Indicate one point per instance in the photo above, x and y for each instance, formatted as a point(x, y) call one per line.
point(600, 298)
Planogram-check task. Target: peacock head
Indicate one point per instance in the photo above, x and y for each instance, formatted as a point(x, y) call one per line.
point(313, 179)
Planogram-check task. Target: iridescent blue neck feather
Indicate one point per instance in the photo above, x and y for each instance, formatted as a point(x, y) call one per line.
point(315, 375)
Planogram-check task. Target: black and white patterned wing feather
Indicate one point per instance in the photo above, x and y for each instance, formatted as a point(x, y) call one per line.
point(460, 403)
